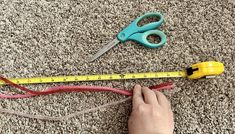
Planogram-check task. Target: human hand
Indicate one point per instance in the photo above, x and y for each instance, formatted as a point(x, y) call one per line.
point(151, 113)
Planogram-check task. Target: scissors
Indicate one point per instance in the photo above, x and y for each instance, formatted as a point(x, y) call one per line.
point(137, 33)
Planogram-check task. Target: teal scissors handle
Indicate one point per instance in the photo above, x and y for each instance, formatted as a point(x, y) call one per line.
point(140, 33)
point(142, 38)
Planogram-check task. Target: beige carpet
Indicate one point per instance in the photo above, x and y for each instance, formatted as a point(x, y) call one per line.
point(48, 37)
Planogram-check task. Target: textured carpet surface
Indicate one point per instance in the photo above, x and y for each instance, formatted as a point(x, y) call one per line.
point(48, 37)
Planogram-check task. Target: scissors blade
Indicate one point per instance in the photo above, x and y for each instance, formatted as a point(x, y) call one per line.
point(105, 49)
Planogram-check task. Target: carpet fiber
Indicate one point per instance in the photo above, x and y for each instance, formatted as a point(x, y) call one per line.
point(49, 38)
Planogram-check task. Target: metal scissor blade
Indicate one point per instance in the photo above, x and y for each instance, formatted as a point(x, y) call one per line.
point(105, 49)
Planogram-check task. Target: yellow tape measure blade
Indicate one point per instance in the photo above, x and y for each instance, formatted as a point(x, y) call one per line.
point(56, 79)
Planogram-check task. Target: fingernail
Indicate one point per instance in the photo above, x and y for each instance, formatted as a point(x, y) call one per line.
point(137, 86)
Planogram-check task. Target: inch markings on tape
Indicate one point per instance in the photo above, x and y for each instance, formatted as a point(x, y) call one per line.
point(99, 77)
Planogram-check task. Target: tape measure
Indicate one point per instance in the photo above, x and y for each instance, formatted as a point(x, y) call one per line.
point(196, 71)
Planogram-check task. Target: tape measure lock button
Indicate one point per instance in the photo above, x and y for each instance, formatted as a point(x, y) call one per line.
point(190, 70)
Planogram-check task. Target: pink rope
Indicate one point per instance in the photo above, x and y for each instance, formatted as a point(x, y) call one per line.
point(32, 93)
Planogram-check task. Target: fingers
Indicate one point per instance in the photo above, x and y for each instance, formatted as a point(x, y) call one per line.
point(162, 100)
point(137, 96)
point(149, 96)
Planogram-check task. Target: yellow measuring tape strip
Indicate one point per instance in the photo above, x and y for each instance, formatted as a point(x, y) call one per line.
point(199, 70)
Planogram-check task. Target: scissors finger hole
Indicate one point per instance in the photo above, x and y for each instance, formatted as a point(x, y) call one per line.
point(147, 20)
point(154, 39)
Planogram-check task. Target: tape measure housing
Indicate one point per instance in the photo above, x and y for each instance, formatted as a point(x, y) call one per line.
point(203, 69)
